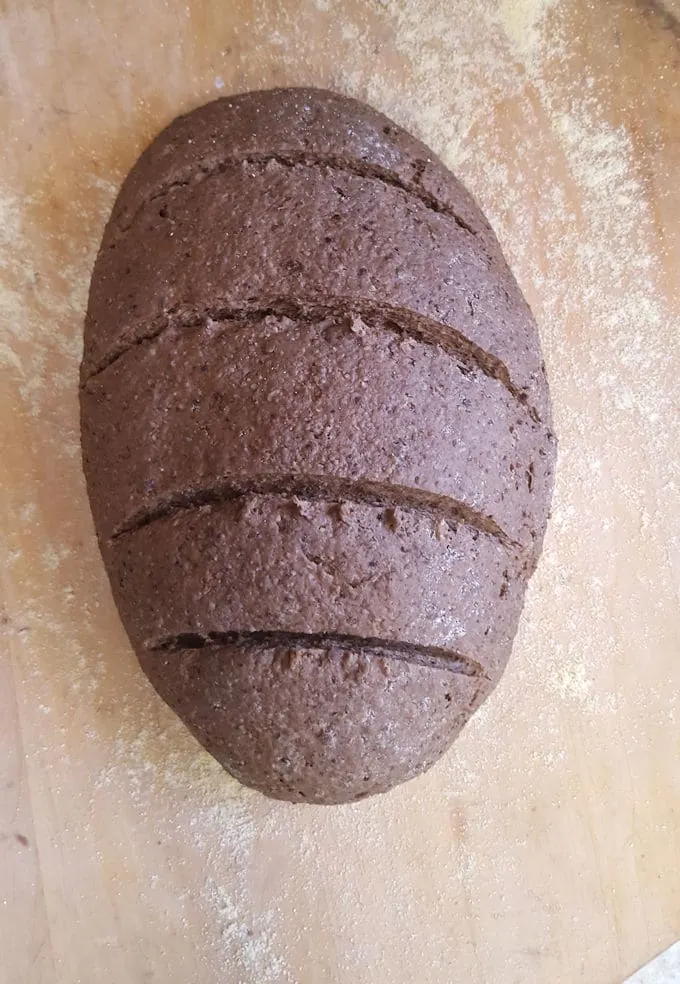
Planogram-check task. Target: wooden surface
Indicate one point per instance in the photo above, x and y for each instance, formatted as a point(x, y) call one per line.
point(546, 846)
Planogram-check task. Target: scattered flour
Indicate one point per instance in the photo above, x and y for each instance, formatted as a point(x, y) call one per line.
point(524, 24)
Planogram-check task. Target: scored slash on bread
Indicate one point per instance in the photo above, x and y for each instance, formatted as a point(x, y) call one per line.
point(415, 419)
point(317, 124)
point(311, 234)
point(263, 562)
point(317, 440)
point(251, 712)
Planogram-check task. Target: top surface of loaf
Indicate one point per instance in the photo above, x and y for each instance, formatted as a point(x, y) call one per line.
point(253, 236)
point(310, 158)
point(303, 124)
point(315, 419)
point(295, 297)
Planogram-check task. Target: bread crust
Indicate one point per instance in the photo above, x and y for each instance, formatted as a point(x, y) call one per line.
point(317, 440)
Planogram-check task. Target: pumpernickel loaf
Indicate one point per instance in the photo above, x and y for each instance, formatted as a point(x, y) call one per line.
point(317, 440)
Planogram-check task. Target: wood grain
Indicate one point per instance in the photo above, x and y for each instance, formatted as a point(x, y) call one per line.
point(545, 847)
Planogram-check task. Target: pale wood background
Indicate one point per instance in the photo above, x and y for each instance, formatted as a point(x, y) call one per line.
point(546, 846)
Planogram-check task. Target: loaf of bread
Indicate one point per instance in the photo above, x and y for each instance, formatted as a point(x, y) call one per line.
point(317, 440)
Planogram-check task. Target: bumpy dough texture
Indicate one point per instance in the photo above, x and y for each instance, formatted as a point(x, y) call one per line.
point(313, 725)
point(317, 440)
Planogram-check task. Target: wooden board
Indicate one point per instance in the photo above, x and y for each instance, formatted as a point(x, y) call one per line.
point(546, 846)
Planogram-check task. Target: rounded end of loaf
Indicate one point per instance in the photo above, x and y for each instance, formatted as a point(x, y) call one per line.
point(318, 725)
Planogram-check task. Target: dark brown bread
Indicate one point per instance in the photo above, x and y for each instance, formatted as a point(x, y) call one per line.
point(392, 411)
point(296, 125)
point(314, 568)
point(317, 725)
point(311, 237)
point(317, 440)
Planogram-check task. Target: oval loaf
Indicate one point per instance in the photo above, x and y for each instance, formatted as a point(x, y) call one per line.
point(317, 440)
